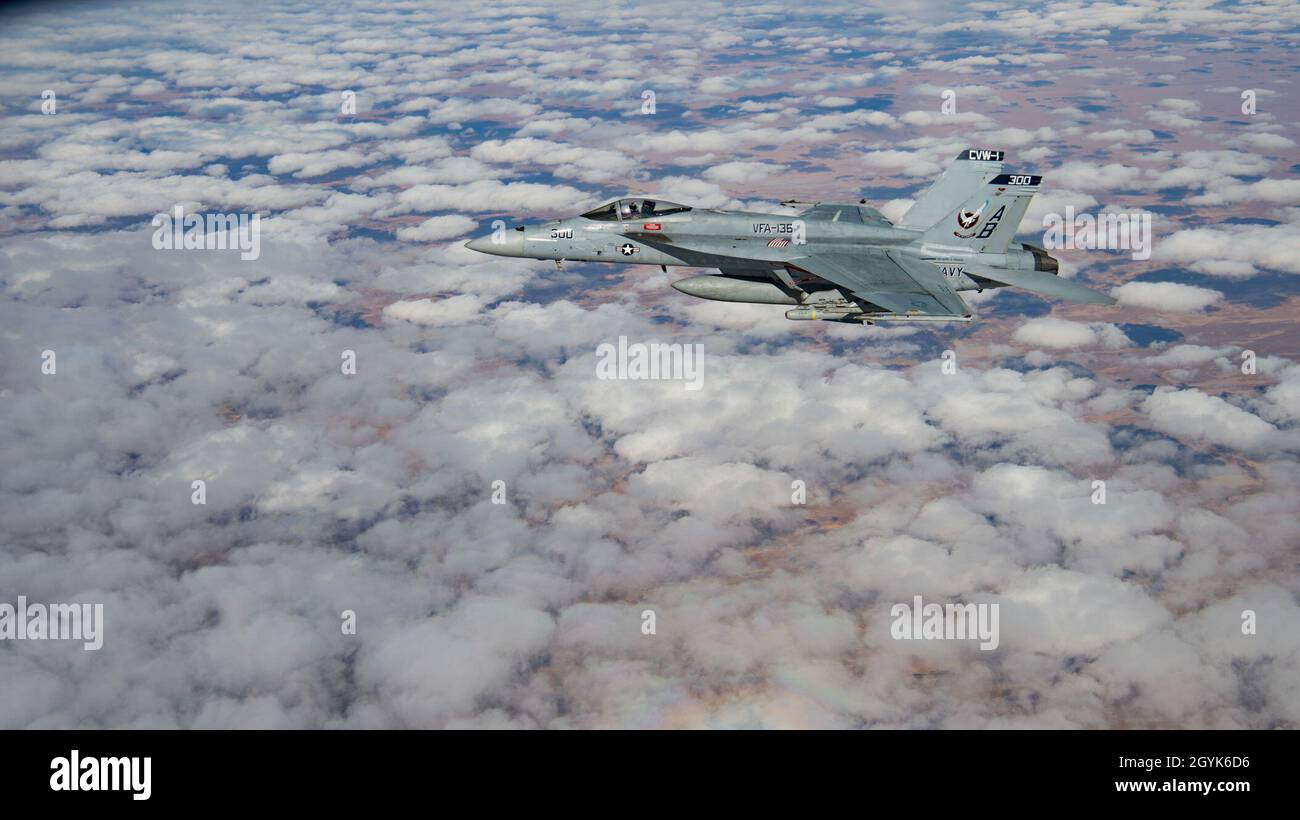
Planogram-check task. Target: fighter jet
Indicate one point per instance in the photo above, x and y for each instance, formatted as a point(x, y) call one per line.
point(842, 262)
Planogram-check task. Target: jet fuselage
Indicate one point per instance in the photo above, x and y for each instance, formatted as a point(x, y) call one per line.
point(837, 261)
point(735, 240)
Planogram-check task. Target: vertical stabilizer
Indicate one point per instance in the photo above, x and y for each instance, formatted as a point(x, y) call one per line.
point(987, 221)
point(967, 174)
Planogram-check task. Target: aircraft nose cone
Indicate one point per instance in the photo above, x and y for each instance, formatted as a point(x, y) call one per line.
point(483, 244)
point(509, 244)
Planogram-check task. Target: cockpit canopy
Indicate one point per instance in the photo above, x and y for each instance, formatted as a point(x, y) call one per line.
point(635, 209)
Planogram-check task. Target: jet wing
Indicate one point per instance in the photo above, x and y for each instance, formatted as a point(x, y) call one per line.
point(850, 214)
point(888, 279)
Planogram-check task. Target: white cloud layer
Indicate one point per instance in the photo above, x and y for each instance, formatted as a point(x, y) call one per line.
point(371, 491)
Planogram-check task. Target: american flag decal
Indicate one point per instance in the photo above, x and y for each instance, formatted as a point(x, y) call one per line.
point(778, 243)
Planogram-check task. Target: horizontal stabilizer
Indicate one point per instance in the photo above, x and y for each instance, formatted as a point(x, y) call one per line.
point(1042, 282)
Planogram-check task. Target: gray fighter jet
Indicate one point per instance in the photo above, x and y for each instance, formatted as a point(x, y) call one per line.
point(835, 261)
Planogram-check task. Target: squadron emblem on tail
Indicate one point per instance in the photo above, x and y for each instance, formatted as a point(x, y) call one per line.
point(967, 220)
